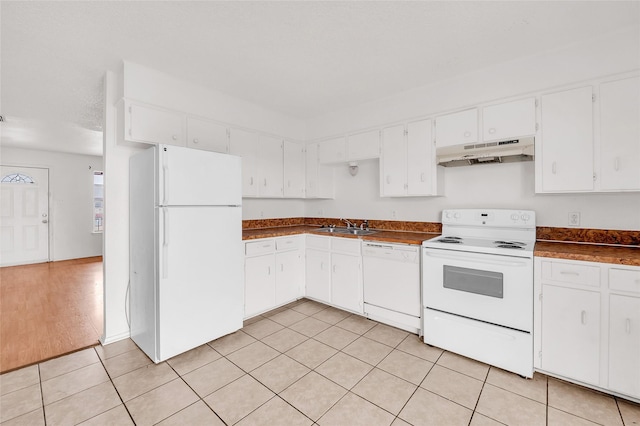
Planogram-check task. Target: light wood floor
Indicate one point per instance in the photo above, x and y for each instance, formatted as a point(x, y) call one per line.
point(49, 309)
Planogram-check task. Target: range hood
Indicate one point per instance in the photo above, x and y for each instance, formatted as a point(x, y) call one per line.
point(486, 153)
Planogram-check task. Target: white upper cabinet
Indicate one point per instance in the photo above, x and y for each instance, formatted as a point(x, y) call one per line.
point(270, 167)
point(620, 134)
point(294, 176)
point(457, 128)
point(148, 124)
point(332, 150)
point(245, 144)
point(424, 177)
point(393, 167)
point(363, 146)
point(509, 120)
point(408, 165)
point(565, 157)
point(319, 177)
point(207, 135)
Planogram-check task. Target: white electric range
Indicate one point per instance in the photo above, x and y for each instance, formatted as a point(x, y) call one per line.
point(477, 287)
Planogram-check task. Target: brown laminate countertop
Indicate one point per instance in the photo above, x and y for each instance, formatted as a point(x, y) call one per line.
point(559, 250)
point(589, 252)
point(402, 237)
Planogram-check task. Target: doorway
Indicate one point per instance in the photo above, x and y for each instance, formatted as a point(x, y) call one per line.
point(24, 215)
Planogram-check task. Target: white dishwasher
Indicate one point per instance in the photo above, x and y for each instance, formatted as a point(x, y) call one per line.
point(391, 274)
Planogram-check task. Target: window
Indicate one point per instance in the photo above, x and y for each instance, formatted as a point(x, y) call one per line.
point(17, 178)
point(98, 201)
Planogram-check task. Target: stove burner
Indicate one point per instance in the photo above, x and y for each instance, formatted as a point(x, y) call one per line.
point(509, 246)
point(450, 240)
point(513, 243)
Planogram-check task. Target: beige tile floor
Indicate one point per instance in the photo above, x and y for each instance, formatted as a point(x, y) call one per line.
point(302, 364)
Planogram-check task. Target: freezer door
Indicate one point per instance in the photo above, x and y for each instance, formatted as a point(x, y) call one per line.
point(200, 289)
point(190, 177)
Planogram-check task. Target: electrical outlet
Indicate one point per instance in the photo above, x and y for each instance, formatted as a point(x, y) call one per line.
point(574, 218)
point(393, 214)
point(261, 213)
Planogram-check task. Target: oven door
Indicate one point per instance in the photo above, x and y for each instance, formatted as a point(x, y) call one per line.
point(486, 287)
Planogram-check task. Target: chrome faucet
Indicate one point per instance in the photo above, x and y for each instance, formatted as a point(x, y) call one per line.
point(349, 224)
point(365, 225)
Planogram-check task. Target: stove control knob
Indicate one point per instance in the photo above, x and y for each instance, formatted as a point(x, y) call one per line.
point(525, 217)
point(447, 215)
point(456, 215)
point(515, 216)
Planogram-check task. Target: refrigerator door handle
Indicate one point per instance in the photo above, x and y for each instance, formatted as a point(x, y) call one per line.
point(165, 190)
point(165, 242)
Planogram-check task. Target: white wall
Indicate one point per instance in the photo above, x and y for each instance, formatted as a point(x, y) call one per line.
point(71, 199)
point(490, 186)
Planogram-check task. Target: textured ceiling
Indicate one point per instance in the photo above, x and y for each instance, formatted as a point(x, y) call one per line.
point(302, 58)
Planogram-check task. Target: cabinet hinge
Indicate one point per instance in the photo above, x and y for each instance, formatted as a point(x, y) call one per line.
point(540, 354)
point(129, 109)
point(537, 126)
point(593, 97)
point(595, 176)
point(536, 103)
point(228, 133)
point(406, 132)
point(540, 297)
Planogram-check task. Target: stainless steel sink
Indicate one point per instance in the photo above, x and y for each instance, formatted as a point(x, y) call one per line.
point(346, 231)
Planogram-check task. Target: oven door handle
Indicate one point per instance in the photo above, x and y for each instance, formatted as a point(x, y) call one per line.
point(462, 256)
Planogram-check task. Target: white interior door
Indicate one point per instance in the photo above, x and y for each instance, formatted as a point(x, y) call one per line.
point(24, 215)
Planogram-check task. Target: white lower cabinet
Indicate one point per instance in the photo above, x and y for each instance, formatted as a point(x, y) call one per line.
point(318, 275)
point(571, 333)
point(334, 272)
point(624, 344)
point(587, 323)
point(346, 288)
point(260, 284)
point(273, 270)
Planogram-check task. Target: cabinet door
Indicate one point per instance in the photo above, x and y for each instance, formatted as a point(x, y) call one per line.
point(332, 151)
point(624, 345)
point(154, 125)
point(458, 128)
point(393, 173)
point(318, 275)
point(363, 146)
point(260, 284)
point(571, 333)
point(509, 120)
point(294, 159)
point(270, 166)
point(244, 144)
point(346, 282)
point(289, 276)
point(620, 134)
point(567, 140)
point(207, 135)
point(420, 159)
point(311, 171)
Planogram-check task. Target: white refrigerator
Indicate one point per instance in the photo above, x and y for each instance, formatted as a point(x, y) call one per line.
point(186, 260)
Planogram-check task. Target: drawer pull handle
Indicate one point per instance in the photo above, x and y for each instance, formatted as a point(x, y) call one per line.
point(583, 317)
point(627, 326)
point(322, 266)
point(281, 267)
point(569, 273)
point(268, 270)
point(553, 167)
point(616, 164)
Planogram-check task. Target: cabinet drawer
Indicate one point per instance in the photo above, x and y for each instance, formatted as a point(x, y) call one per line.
point(624, 280)
point(322, 243)
point(288, 243)
point(259, 247)
point(571, 273)
point(345, 245)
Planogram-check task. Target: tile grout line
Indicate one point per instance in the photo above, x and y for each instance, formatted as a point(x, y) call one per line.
point(114, 388)
point(44, 414)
